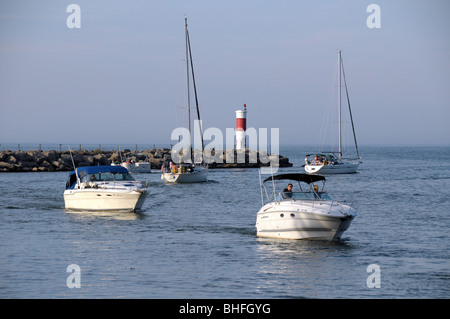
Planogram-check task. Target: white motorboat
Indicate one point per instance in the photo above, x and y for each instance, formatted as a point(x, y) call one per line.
point(135, 164)
point(137, 167)
point(103, 188)
point(334, 162)
point(186, 172)
point(304, 213)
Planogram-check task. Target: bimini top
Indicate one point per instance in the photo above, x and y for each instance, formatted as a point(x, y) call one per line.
point(101, 169)
point(297, 177)
point(87, 170)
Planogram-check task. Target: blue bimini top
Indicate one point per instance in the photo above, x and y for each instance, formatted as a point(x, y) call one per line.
point(87, 170)
point(101, 169)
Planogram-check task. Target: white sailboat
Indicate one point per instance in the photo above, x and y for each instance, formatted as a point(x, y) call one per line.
point(187, 172)
point(334, 162)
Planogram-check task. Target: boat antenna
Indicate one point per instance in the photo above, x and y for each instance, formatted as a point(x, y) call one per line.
point(273, 181)
point(350, 110)
point(71, 156)
point(74, 167)
point(261, 187)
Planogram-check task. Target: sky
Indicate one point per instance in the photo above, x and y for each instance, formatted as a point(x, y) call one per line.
point(120, 77)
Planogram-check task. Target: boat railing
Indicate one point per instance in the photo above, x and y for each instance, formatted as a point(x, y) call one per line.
point(125, 184)
point(310, 198)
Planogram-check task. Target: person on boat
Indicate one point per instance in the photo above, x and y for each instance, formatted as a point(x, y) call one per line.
point(165, 167)
point(318, 159)
point(287, 192)
point(174, 168)
point(317, 194)
point(93, 178)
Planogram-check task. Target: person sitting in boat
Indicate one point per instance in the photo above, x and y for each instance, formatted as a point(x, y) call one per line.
point(318, 159)
point(287, 192)
point(318, 194)
point(165, 167)
point(93, 178)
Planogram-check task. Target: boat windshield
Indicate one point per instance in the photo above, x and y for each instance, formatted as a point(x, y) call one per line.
point(303, 196)
point(108, 177)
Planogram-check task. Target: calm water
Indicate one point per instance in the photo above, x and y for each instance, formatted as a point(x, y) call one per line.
point(198, 241)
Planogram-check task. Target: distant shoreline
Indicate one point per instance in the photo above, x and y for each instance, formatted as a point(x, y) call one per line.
point(54, 161)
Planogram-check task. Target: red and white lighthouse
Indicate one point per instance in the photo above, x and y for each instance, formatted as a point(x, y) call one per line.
point(241, 127)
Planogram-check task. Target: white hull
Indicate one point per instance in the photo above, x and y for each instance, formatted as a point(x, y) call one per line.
point(188, 177)
point(143, 167)
point(342, 168)
point(304, 220)
point(104, 199)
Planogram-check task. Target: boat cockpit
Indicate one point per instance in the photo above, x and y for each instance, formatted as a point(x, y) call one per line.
point(303, 196)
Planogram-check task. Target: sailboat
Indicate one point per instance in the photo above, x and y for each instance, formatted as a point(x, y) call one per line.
point(332, 162)
point(187, 172)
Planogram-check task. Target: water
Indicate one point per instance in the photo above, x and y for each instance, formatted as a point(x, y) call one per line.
point(198, 241)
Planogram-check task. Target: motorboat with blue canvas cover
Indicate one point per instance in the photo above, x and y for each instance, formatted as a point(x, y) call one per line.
point(104, 188)
point(305, 211)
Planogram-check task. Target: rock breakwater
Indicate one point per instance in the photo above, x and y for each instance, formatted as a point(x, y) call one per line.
point(49, 161)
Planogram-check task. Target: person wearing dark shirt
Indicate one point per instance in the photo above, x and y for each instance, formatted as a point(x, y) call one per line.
point(287, 192)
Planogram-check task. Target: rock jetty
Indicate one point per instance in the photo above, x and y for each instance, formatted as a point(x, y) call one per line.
point(49, 161)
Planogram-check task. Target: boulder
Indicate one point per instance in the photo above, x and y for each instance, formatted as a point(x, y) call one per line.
point(88, 159)
point(12, 159)
point(100, 159)
point(5, 166)
point(51, 155)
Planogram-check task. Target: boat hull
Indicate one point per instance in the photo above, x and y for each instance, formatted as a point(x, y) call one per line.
point(195, 177)
point(104, 200)
point(304, 222)
point(344, 168)
point(144, 167)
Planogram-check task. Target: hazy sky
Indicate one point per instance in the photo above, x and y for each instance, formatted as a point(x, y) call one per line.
point(120, 77)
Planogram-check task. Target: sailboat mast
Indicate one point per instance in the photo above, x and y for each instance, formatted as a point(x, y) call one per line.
point(339, 93)
point(350, 111)
point(195, 87)
point(187, 76)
